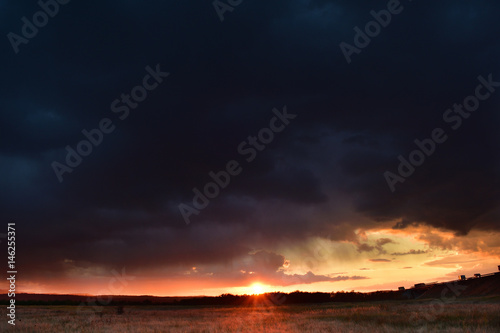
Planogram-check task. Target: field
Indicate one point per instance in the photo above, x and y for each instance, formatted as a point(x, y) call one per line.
point(429, 316)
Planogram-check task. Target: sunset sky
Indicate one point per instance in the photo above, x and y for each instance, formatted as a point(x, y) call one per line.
point(300, 136)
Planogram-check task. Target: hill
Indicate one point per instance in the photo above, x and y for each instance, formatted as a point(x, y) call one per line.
point(487, 285)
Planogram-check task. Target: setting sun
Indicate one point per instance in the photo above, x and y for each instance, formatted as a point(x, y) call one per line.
point(257, 288)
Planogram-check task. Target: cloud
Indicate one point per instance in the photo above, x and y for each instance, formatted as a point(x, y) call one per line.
point(383, 241)
point(379, 260)
point(364, 247)
point(409, 252)
point(451, 261)
point(266, 267)
point(264, 261)
point(310, 277)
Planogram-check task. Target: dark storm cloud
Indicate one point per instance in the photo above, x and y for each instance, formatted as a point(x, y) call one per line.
point(120, 205)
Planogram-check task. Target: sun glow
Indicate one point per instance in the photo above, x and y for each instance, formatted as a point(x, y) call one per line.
point(257, 288)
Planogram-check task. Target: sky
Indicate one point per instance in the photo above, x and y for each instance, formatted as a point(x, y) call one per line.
point(209, 147)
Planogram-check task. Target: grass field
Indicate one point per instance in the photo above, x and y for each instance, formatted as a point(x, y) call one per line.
point(356, 317)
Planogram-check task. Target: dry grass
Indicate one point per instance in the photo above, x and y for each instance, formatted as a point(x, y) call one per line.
point(361, 317)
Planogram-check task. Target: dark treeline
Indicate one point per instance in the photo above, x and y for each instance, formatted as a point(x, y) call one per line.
point(299, 297)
